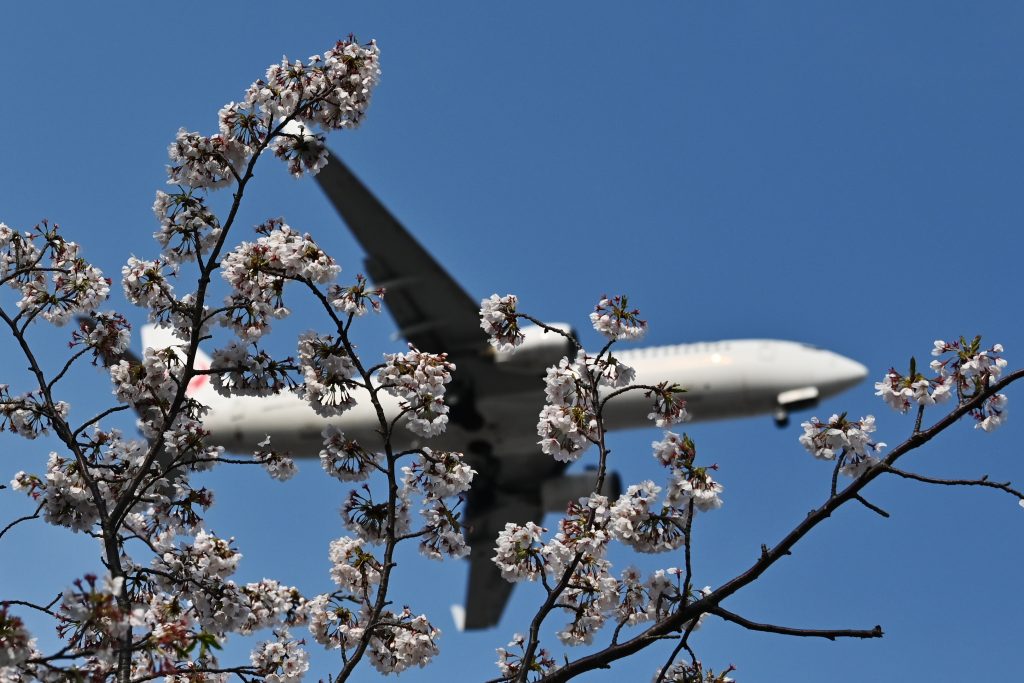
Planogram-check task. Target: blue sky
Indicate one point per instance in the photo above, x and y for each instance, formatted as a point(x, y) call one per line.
point(843, 174)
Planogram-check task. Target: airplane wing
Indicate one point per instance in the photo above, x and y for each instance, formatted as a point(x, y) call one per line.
point(435, 314)
point(432, 311)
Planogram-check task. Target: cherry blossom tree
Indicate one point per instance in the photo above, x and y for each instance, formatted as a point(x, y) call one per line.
point(168, 603)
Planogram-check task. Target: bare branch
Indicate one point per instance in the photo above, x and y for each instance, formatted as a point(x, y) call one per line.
point(18, 521)
point(981, 481)
point(870, 506)
point(828, 634)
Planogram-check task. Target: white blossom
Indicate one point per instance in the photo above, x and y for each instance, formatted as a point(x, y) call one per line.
point(344, 459)
point(352, 568)
point(589, 596)
point(613, 318)
point(282, 660)
point(355, 299)
point(498, 319)
point(16, 642)
point(327, 371)
point(517, 552)
point(278, 465)
point(332, 624)
point(843, 438)
point(187, 227)
point(418, 379)
point(669, 408)
point(200, 161)
point(511, 664)
point(402, 641)
point(236, 371)
point(694, 485)
point(635, 521)
point(330, 90)
point(674, 450)
point(443, 535)
point(995, 413)
point(303, 150)
point(565, 432)
point(439, 474)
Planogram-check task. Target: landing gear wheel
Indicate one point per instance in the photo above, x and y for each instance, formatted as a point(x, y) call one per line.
point(781, 417)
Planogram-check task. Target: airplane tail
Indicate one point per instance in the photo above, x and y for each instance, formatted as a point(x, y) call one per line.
point(199, 388)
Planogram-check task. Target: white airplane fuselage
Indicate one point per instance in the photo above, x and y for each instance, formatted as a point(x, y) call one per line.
point(723, 379)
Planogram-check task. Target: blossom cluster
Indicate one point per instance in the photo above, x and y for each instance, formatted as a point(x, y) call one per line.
point(439, 474)
point(188, 229)
point(499, 320)
point(344, 459)
point(178, 607)
point(282, 660)
point(372, 521)
point(395, 642)
point(278, 465)
point(972, 369)
point(54, 281)
point(356, 299)
point(963, 367)
point(511, 664)
point(592, 595)
point(401, 641)
point(419, 379)
point(237, 371)
point(331, 91)
point(147, 283)
point(688, 483)
point(257, 272)
point(848, 440)
point(16, 643)
point(669, 406)
point(568, 421)
point(613, 318)
point(187, 594)
point(106, 335)
point(903, 391)
point(681, 672)
point(29, 415)
point(327, 372)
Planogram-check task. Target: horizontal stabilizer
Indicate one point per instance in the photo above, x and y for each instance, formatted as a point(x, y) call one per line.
point(557, 493)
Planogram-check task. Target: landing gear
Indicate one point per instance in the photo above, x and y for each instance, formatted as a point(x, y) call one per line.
point(781, 417)
point(461, 401)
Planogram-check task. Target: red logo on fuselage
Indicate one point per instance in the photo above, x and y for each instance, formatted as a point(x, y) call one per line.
point(199, 381)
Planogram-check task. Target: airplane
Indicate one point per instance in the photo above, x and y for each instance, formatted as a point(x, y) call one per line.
point(495, 396)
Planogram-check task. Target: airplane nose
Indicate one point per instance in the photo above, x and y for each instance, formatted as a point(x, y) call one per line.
point(843, 373)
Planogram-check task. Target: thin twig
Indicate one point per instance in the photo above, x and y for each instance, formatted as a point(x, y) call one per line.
point(828, 634)
point(18, 521)
point(870, 506)
point(981, 481)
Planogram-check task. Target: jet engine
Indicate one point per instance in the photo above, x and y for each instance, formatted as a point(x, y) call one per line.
point(540, 349)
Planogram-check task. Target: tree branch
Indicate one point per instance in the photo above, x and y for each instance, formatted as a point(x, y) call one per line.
point(26, 518)
point(982, 481)
point(770, 556)
point(829, 634)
